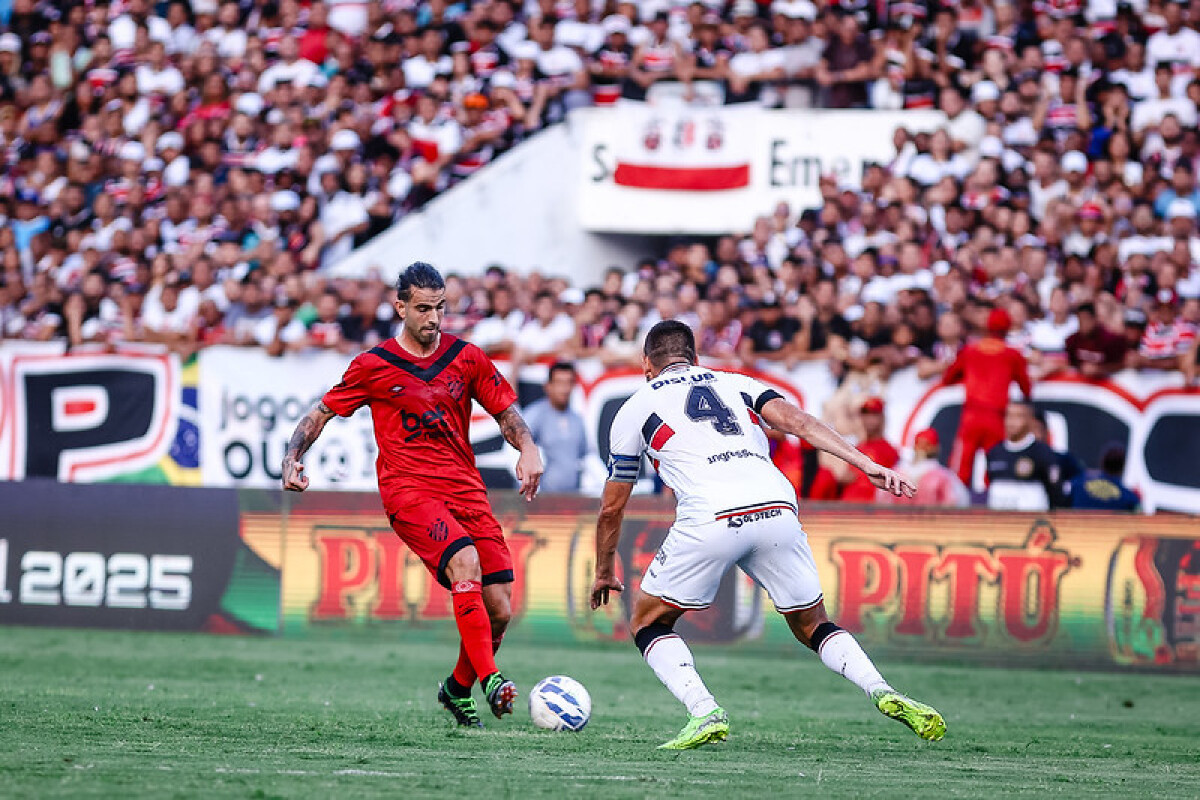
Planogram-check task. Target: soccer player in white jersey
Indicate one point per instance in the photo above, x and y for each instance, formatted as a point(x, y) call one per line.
point(702, 431)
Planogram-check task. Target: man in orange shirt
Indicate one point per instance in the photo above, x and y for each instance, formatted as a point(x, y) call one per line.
point(987, 368)
point(875, 447)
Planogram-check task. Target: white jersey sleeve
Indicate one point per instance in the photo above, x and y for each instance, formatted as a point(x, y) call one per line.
point(625, 444)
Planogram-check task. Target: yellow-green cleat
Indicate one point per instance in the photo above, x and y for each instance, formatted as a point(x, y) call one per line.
point(925, 721)
point(712, 727)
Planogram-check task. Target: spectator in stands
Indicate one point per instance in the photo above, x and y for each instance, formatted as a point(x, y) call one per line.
point(1022, 471)
point(1093, 350)
point(846, 65)
point(873, 443)
point(771, 336)
point(559, 431)
point(936, 485)
point(1103, 489)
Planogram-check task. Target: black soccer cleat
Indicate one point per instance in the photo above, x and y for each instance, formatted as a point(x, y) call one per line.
point(463, 708)
point(501, 693)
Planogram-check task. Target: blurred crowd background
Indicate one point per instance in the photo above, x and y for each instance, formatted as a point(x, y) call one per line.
point(188, 173)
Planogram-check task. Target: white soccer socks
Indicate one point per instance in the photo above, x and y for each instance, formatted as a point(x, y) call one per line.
point(841, 653)
point(669, 657)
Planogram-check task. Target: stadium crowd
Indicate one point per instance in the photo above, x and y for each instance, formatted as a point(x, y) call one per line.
point(188, 172)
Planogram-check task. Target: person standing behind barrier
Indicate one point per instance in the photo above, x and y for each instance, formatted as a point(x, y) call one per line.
point(1023, 472)
point(936, 484)
point(875, 447)
point(1102, 489)
point(559, 431)
point(986, 368)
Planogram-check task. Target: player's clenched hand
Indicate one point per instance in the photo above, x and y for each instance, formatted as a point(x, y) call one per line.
point(529, 472)
point(602, 586)
point(294, 479)
point(891, 481)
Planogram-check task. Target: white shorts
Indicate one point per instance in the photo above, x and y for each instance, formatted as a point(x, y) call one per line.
point(769, 546)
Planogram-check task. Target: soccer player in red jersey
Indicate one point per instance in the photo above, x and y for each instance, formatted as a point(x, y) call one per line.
point(986, 368)
point(419, 386)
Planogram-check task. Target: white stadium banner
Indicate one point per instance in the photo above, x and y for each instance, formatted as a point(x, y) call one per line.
point(679, 169)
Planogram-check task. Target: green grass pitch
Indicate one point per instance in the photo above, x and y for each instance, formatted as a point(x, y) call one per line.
point(115, 714)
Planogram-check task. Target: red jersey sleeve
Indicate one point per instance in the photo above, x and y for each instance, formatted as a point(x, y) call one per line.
point(352, 393)
point(1021, 372)
point(488, 386)
point(954, 373)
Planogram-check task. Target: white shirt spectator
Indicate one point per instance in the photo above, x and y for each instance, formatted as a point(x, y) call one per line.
point(298, 72)
point(156, 318)
point(927, 171)
point(167, 81)
point(182, 39)
point(348, 16)
point(534, 339)
point(1176, 48)
point(1148, 113)
point(1040, 196)
point(1140, 85)
point(344, 211)
point(122, 31)
point(264, 331)
point(136, 118)
point(1048, 336)
point(419, 71)
point(230, 44)
point(446, 134)
point(969, 128)
point(558, 61)
point(177, 172)
point(492, 331)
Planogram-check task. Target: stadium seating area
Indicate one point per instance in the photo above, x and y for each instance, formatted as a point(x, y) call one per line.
point(187, 172)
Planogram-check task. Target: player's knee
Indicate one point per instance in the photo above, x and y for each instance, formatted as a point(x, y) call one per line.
point(500, 614)
point(464, 566)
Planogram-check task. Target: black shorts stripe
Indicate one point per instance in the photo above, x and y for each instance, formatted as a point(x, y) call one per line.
point(758, 505)
point(802, 607)
point(428, 373)
point(499, 576)
point(449, 553)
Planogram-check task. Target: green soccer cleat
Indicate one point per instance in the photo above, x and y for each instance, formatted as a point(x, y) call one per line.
point(711, 728)
point(463, 708)
point(500, 693)
point(924, 720)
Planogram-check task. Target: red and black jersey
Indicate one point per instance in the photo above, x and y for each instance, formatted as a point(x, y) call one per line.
point(421, 408)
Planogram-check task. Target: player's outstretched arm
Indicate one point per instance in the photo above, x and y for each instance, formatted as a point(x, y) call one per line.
point(608, 533)
point(784, 416)
point(307, 431)
point(529, 464)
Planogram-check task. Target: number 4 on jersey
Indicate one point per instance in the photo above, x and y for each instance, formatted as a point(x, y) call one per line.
point(703, 404)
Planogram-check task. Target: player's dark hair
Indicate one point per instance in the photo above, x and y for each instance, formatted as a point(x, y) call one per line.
point(670, 340)
point(418, 275)
point(562, 366)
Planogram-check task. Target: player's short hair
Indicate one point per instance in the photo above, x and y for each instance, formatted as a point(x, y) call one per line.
point(1112, 460)
point(418, 275)
point(670, 340)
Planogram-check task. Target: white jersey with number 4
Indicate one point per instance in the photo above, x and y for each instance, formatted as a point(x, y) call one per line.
point(700, 428)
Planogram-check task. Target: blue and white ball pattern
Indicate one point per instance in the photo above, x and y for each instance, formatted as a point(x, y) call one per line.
point(559, 703)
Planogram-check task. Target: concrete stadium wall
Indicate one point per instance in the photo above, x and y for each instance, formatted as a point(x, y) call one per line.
point(520, 211)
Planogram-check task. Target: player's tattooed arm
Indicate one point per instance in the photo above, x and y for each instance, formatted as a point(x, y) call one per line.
point(307, 431)
point(529, 465)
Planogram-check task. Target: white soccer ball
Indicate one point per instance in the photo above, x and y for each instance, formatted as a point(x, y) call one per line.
point(559, 703)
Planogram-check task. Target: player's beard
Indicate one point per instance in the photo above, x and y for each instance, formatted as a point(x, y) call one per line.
point(426, 336)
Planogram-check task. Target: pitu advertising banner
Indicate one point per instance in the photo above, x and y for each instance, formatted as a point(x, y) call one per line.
point(1066, 589)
